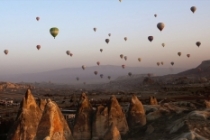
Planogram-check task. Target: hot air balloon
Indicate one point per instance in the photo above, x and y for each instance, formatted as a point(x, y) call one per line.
point(101, 75)
point(121, 56)
point(95, 72)
point(123, 66)
point(158, 63)
point(129, 73)
point(38, 47)
point(163, 44)
point(139, 59)
point(54, 31)
point(109, 34)
point(68, 52)
point(77, 78)
point(125, 38)
point(125, 57)
point(198, 43)
point(150, 38)
point(84, 83)
point(162, 63)
point(120, 0)
point(37, 18)
point(101, 50)
point(155, 15)
point(179, 53)
point(6, 52)
point(71, 54)
point(160, 26)
point(188, 55)
point(98, 63)
point(109, 77)
point(193, 9)
point(172, 63)
point(83, 67)
point(95, 29)
point(107, 41)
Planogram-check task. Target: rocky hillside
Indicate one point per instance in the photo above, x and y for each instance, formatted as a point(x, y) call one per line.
point(203, 70)
point(180, 120)
point(8, 85)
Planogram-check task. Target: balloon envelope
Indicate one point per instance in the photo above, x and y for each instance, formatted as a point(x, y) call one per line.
point(107, 41)
point(198, 43)
point(6, 52)
point(54, 31)
point(160, 26)
point(150, 38)
point(38, 47)
point(193, 9)
point(95, 72)
point(37, 18)
point(68, 52)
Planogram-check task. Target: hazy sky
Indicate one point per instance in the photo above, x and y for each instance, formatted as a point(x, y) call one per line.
point(134, 19)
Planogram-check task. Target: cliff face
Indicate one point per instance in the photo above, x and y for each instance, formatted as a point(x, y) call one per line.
point(82, 127)
point(39, 121)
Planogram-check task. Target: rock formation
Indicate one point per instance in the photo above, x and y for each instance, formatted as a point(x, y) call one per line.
point(153, 100)
point(39, 121)
point(116, 116)
point(100, 122)
point(53, 126)
point(207, 103)
point(82, 126)
point(28, 118)
point(112, 133)
point(136, 113)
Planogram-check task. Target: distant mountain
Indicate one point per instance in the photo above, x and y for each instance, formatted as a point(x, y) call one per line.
point(202, 70)
point(68, 75)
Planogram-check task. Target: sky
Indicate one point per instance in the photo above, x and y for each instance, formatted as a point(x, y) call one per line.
point(134, 19)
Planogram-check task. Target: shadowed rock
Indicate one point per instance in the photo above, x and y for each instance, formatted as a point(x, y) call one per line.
point(53, 126)
point(27, 121)
point(100, 122)
point(38, 122)
point(112, 133)
point(82, 127)
point(207, 103)
point(117, 117)
point(136, 113)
